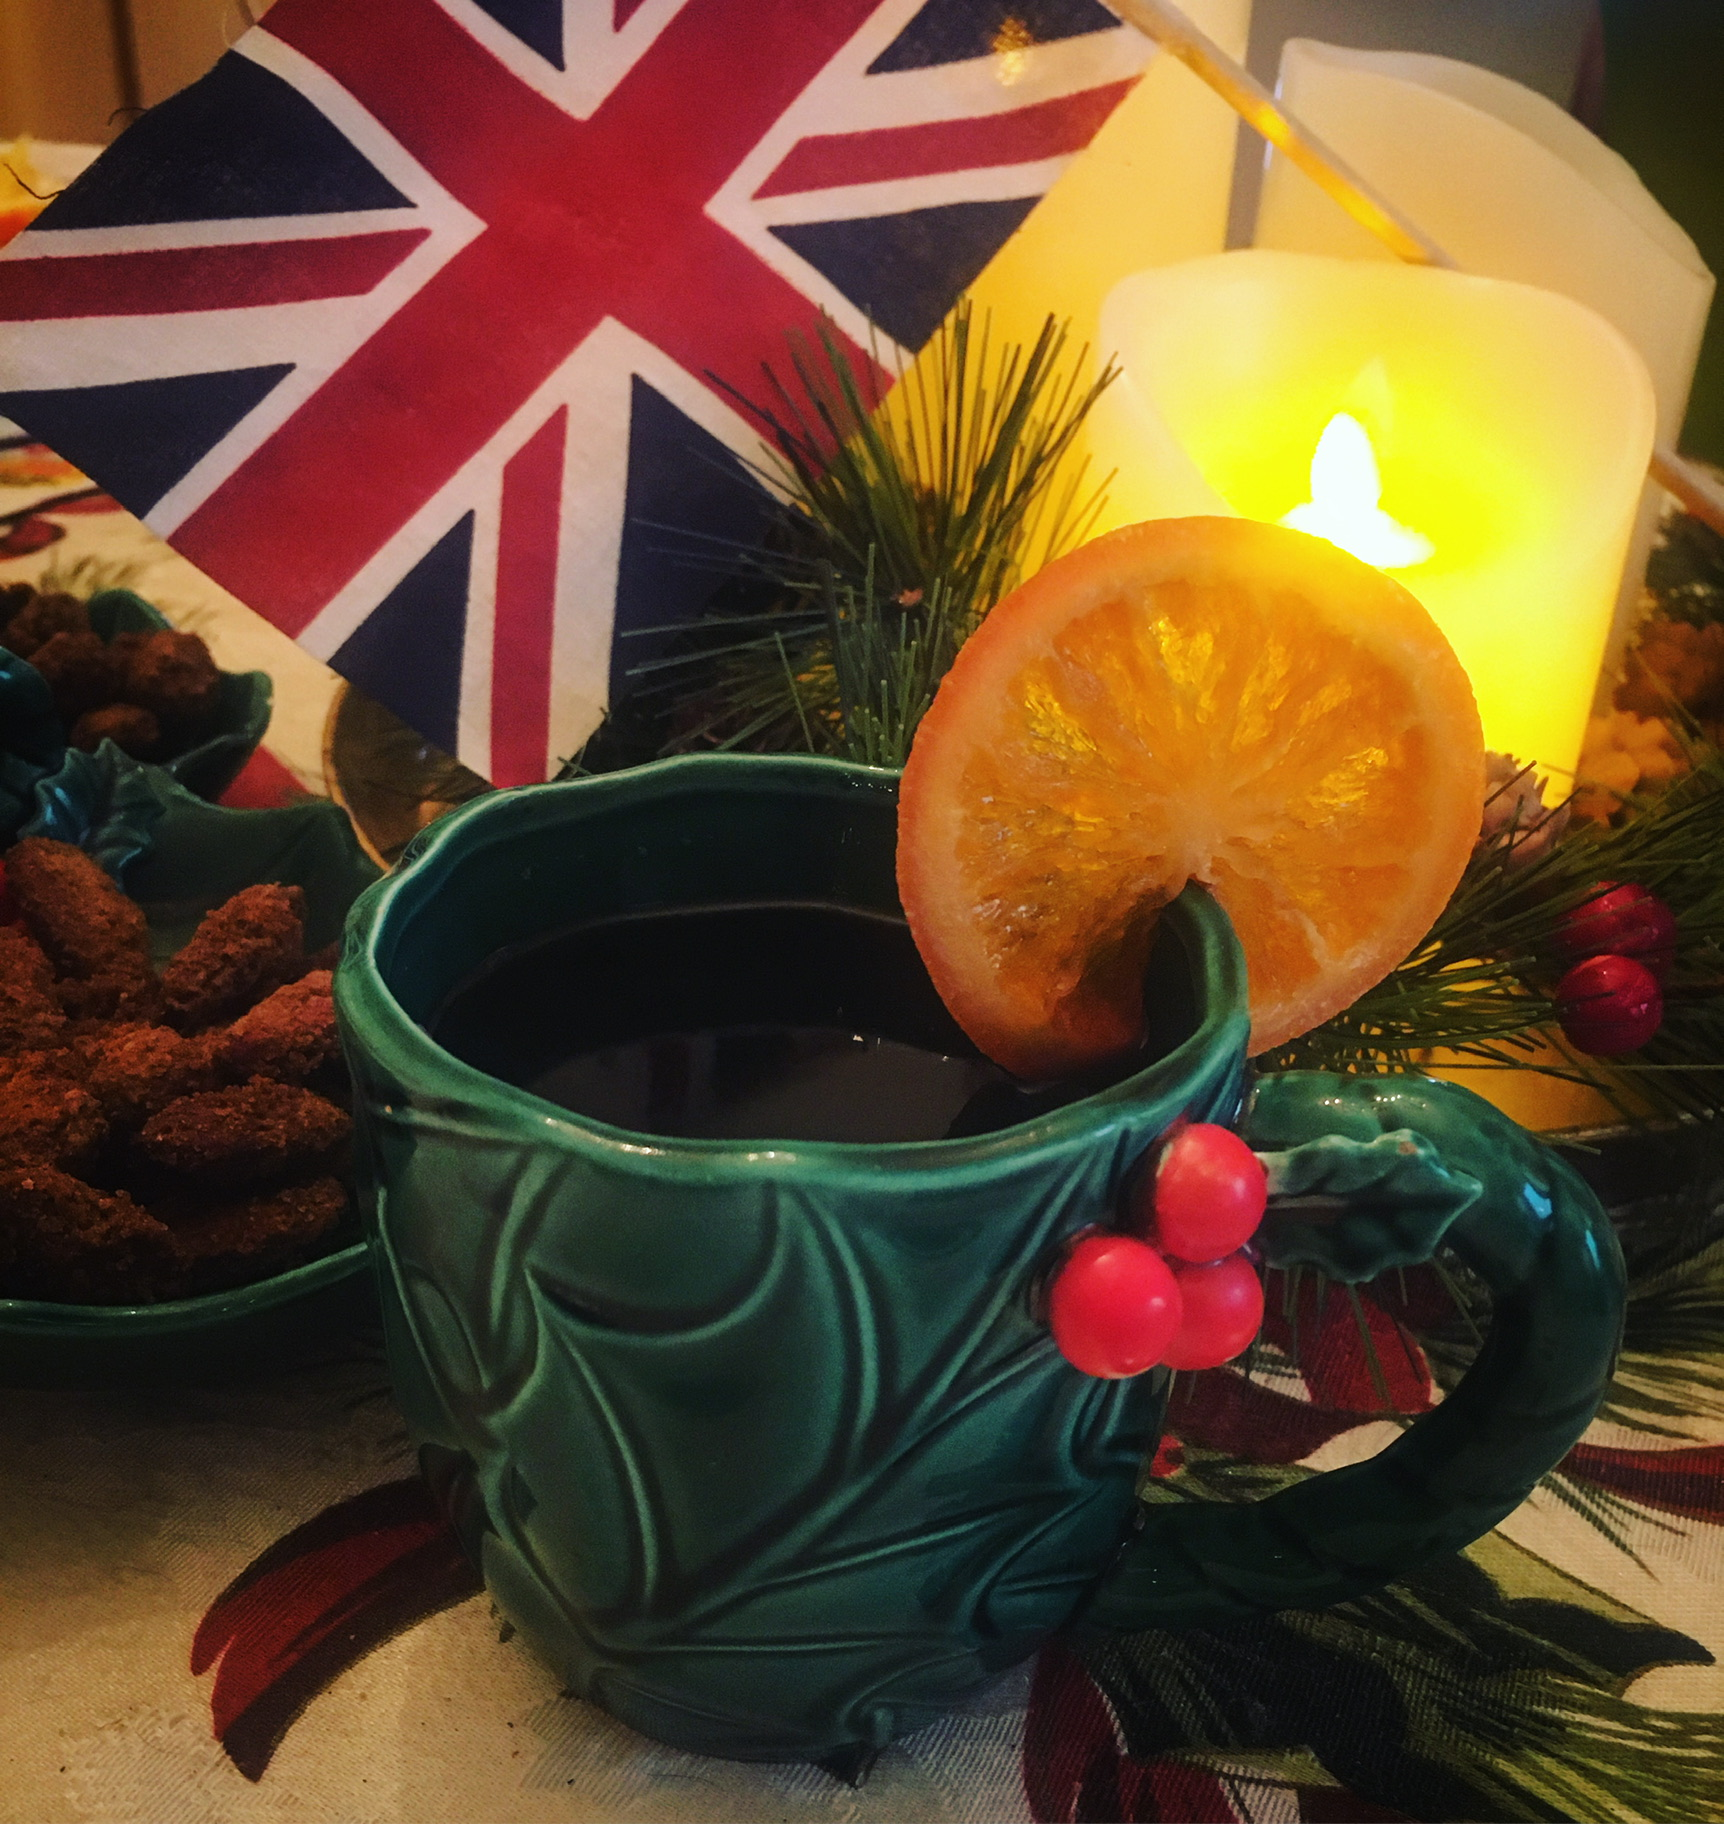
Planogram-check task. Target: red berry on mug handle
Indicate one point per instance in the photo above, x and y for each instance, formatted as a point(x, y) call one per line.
point(1222, 1303)
point(1113, 1306)
point(1205, 1195)
point(1624, 919)
point(1609, 1004)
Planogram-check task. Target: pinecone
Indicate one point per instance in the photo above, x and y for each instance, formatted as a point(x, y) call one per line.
point(1515, 808)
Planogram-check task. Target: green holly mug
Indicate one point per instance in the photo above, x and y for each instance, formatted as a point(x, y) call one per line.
point(765, 1446)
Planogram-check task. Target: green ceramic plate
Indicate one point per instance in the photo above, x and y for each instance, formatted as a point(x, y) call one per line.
point(253, 1330)
point(179, 857)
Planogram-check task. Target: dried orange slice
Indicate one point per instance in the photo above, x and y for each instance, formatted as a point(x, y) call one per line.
point(1190, 699)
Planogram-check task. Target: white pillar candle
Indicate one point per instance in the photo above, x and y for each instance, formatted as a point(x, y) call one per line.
point(1509, 425)
point(1510, 187)
point(1151, 187)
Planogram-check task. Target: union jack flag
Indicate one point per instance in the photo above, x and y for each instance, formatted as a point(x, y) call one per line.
point(411, 323)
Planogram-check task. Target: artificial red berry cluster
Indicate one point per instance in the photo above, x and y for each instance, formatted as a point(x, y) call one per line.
point(1175, 1285)
point(1620, 945)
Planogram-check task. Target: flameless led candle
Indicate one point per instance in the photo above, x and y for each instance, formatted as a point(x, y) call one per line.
point(1494, 461)
point(1510, 186)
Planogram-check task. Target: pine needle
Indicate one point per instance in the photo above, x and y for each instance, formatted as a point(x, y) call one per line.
point(905, 519)
point(1482, 985)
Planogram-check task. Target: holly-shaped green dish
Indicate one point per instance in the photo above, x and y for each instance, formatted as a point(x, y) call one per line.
point(235, 726)
point(179, 857)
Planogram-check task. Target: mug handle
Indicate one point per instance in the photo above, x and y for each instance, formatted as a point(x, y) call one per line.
point(1368, 1173)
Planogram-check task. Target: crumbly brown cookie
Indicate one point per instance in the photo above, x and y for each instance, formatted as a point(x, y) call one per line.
point(247, 1135)
point(13, 597)
point(36, 623)
point(80, 671)
point(241, 952)
point(24, 960)
point(131, 729)
point(221, 1185)
point(170, 674)
point(87, 926)
point(63, 1240)
point(115, 994)
point(229, 1244)
point(135, 1070)
point(287, 1036)
point(48, 1116)
point(30, 1017)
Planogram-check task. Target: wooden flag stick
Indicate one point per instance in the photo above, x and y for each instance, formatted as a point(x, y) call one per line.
point(1163, 22)
point(1169, 27)
point(1697, 489)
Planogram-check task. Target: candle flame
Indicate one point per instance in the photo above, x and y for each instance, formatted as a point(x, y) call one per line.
point(1344, 506)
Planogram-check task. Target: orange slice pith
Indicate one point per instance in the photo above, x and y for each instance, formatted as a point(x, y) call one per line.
point(1194, 699)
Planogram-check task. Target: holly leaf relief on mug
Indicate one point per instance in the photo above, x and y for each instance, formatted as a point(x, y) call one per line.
point(1354, 1208)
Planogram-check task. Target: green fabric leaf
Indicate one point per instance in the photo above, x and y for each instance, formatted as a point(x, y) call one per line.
point(242, 707)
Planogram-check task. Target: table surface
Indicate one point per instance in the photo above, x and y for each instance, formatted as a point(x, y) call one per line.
point(357, 1674)
point(124, 1516)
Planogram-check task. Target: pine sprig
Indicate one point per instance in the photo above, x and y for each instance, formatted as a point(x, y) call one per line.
point(887, 663)
point(905, 518)
point(951, 480)
point(1482, 985)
